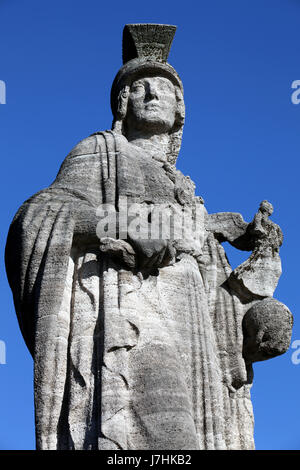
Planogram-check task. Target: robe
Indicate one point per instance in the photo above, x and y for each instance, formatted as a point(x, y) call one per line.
point(122, 360)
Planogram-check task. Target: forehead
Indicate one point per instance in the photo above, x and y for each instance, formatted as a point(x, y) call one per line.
point(158, 80)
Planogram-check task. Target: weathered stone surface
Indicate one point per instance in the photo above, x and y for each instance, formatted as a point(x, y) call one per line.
point(142, 336)
point(259, 275)
point(267, 330)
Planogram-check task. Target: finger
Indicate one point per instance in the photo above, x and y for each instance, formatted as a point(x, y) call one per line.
point(169, 255)
point(161, 257)
point(154, 261)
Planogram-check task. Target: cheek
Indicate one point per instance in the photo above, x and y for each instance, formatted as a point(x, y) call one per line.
point(169, 100)
point(136, 104)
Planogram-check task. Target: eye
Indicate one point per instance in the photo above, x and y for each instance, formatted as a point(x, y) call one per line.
point(137, 87)
point(167, 85)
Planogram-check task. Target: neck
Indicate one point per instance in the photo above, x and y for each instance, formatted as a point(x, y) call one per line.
point(155, 144)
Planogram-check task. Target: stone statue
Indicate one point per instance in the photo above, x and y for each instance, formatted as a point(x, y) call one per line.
point(141, 338)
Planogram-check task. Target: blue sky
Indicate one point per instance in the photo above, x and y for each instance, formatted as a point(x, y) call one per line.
point(237, 60)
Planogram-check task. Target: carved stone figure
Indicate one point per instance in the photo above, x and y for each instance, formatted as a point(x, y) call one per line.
point(142, 341)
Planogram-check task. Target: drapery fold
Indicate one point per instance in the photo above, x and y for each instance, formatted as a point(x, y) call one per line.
point(120, 362)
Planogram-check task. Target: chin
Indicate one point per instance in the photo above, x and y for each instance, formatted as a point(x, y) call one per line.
point(156, 122)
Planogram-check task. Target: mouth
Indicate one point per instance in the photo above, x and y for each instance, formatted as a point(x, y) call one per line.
point(152, 106)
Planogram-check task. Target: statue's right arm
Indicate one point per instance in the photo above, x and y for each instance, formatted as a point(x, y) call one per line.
point(85, 226)
point(80, 178)
point(79, 182)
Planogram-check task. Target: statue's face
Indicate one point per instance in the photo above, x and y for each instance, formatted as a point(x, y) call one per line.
point(151, 104)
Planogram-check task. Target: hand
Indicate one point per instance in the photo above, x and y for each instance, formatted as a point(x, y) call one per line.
point(153, 253)
point(118, 249)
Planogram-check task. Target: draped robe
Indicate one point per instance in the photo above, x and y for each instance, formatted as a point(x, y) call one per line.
point(124, 361)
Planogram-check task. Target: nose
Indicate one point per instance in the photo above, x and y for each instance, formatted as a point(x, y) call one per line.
point(151, 92)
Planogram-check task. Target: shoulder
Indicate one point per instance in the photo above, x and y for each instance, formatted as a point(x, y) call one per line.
point(89, 145)
point(96, 142)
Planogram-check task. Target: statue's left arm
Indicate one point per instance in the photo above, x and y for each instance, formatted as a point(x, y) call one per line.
point(267, 323)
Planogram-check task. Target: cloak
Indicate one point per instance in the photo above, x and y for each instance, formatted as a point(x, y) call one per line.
point(122, 360)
